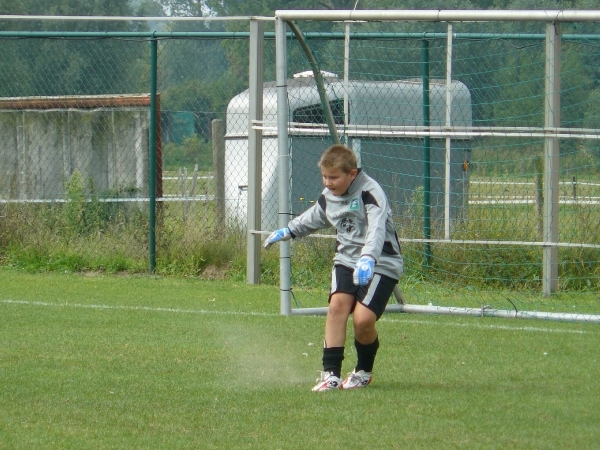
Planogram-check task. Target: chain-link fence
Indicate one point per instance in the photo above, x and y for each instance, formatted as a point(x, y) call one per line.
point(77, 186)
point(75, 121)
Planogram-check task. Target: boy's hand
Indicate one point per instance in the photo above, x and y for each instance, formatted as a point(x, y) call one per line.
point(277, 236)
point(364, 270)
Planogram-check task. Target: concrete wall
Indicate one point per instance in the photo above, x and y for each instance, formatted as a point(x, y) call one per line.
point(40, 150)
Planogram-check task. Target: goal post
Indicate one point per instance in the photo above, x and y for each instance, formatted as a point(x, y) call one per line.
point(382, 135)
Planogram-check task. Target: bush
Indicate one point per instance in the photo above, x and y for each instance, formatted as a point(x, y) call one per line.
point(193, 150)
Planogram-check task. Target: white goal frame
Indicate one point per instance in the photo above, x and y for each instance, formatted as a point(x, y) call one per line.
point(551, 134)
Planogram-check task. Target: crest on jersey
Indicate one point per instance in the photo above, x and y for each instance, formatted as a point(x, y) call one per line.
point(347, 225)
point(354, 204)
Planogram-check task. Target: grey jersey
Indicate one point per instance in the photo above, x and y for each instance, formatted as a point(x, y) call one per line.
point(363, 222)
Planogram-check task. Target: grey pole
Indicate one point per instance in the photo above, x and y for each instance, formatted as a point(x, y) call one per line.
point(218, 145)
point(448, 172)
point(255, 94)
point(440, 15)
point(283, 164)
point(426, 155)
point(152, 159)
point(551, 158)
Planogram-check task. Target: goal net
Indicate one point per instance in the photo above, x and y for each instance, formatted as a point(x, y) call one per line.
point(483, 128)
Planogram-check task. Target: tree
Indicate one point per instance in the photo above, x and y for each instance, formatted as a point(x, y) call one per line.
point(67, 8)
point(268, 7)
point(184, 8)
point(71, 66)
point(150, 8)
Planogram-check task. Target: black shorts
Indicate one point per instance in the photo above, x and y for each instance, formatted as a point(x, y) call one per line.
point(374, 295)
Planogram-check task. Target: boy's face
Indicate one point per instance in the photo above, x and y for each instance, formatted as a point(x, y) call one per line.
point(337, 181)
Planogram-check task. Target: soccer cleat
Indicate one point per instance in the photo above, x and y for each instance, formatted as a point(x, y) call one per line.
point(327, 382)
point(357, 379)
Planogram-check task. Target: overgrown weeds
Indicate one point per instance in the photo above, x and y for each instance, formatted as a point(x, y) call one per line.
point(89, 234)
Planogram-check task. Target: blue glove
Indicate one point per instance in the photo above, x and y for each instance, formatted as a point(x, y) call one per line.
point(364, 271)
point(277, 236)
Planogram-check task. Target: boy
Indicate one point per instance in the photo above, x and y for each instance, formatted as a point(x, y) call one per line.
point(367, 262)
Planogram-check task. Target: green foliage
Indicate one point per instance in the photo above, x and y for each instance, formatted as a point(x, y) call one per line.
point(67, 8)
point(82, 235)
point(76, 204)
point(592, 120)
point(55, 238)
point(192, 150)
point(84, 213)
point(85, 234)
point(150, 8)
point(415, 209)
point(201, 98)
point(184, 8)
point(312, 260)
point(189, 249)
point(68, 67)
point(188, 83)
point(190, 95)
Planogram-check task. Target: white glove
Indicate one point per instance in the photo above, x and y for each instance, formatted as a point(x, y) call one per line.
point(363, 271)
point(277, 236)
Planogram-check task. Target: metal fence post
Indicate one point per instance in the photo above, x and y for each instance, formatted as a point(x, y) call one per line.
point(218, 147)
point(255, 93)
point(152, 158)
point(551, 158)
point(283, 163)
point(448, 162)
point(426, 154)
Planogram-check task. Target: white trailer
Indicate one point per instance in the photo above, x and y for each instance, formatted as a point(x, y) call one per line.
point(375, 110)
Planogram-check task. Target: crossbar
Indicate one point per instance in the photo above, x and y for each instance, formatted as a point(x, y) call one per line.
point(443, 15)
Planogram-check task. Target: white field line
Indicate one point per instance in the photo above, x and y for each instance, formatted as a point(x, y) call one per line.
point(526, 183)
point(514, 200)
point(136, 308)
point(203, 177)
point(164, 198)
point(242, 313)
point(529, 197)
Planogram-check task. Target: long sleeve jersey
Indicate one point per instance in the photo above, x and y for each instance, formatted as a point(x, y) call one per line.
point(363, 222)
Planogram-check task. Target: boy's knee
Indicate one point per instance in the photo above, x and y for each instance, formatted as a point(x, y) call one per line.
point(364, 325)
point(362, 328)
point(340, 305)
point(338, 314)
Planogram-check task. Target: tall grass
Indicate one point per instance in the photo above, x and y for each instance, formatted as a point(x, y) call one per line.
point(61, 237)
point(85, 234)
point(45, 237)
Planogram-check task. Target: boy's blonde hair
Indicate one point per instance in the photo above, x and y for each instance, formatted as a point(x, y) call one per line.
point(340, 157)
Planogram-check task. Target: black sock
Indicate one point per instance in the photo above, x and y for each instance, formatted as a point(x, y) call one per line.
point(332, 360)
point(366, 355)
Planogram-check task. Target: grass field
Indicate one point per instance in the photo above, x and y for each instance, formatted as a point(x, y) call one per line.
point(147, 362)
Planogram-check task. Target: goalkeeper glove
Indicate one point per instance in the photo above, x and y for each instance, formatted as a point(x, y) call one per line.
point(364, 271)
point(277, 236)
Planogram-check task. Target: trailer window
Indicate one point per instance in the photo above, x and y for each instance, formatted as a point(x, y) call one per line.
point(314, 113)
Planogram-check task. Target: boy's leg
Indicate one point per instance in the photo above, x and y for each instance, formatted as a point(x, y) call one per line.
point(364, 324)
point(340, 307)
point(371, 305)
point(365, 338)
point(342, 301)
